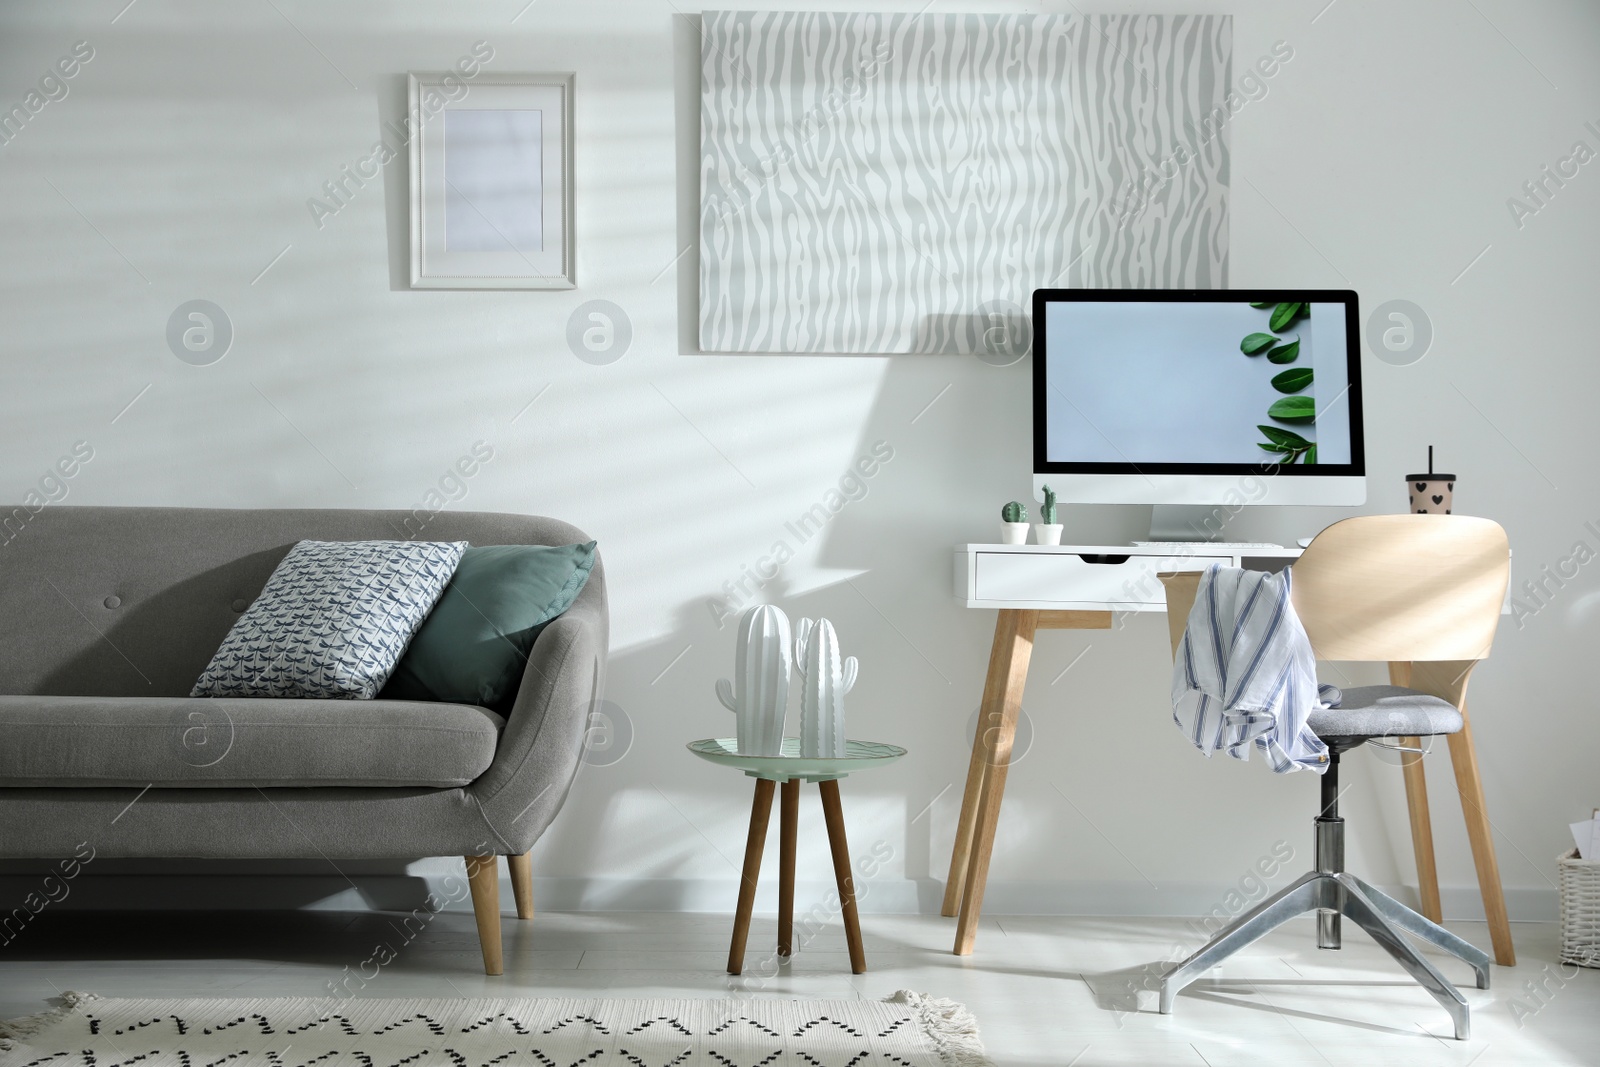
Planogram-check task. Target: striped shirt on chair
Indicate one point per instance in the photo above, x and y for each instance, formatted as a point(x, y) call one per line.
point(1244, 672)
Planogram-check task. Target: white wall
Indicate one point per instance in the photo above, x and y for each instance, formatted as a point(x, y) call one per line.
point(1381, 158)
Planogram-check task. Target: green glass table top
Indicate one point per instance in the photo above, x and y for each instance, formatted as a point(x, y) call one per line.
point(858, 756)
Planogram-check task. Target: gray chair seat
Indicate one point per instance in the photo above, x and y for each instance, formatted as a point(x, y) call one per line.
point(1386, 711)
point(174, 742)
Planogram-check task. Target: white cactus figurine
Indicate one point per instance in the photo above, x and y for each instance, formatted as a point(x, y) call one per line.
point(759, 692)
point(826, 682)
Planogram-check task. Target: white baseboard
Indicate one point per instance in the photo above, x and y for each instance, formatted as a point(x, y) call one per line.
point(881, 896)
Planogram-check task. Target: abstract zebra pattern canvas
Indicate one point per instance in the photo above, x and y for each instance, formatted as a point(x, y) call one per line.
point(875, 183)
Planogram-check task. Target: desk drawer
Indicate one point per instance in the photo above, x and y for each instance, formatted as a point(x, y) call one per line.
point(1066, 578)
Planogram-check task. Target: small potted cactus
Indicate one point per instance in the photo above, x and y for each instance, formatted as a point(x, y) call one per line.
point(1048, 532)
point(1014, 524)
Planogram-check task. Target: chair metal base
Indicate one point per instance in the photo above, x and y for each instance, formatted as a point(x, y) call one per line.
point(1379, 914)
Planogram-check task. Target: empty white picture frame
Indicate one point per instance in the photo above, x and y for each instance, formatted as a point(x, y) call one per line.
point(491, 181)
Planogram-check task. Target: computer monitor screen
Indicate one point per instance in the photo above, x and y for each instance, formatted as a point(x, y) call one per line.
point(1163, 396)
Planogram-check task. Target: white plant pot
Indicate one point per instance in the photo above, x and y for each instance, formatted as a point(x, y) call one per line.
point(1013, 533)
point(1047, 533)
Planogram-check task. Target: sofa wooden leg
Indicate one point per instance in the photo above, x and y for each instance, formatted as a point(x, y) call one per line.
point(483, 875)
point(522, 883)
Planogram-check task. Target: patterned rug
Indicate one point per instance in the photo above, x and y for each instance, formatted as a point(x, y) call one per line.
point(908, 1030)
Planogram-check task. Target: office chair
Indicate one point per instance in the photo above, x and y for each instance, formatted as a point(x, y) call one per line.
point(1423, 592)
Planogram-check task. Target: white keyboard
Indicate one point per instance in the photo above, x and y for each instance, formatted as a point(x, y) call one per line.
point(1226, 546)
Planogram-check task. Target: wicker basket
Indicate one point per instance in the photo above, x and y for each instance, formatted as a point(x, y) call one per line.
point(1580, 910)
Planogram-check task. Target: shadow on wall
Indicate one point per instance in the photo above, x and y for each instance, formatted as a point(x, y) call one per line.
point(204, 607)
point(392, 103)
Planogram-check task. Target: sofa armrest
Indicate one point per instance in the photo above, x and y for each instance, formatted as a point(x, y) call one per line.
point(540, 750)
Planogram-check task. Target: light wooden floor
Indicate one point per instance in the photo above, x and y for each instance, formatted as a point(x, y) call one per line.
point(1046, 991)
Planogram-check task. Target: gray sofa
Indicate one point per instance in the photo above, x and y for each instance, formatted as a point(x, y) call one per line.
point(107, 616)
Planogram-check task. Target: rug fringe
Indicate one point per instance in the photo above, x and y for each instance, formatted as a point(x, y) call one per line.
point(27, 1026)
point(949, 1025)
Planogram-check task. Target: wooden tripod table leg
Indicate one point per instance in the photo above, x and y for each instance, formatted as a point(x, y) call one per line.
point(833, 815)
point(1008, 673)
point(760, 813)
point(788, 829)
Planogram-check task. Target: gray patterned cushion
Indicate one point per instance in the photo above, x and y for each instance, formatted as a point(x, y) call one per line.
point(332, 621)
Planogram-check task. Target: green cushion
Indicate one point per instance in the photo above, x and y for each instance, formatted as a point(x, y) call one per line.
point(475, 642)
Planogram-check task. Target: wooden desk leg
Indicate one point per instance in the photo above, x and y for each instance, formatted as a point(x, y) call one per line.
point(988, 721)
point(1464, 757)
point(760, 814)
point(1008, 674)
point(1417, 808)
point(788, 828)
point(833, 815)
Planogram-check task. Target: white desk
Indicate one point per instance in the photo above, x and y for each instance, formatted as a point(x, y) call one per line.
point(1045, 587)
point(1088, 577)
point(1081, 587)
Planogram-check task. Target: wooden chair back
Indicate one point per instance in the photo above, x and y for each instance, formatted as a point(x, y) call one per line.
point(1400, 588)
point(1403, 588)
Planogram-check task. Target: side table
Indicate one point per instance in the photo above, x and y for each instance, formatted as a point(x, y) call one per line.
point(790, 769)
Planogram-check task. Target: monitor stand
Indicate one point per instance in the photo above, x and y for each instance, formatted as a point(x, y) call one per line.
point(1187, 522)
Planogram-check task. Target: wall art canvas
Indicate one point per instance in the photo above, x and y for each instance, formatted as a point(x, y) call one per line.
point(879, 183)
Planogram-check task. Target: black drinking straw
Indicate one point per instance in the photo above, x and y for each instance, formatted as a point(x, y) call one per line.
point(1430, 459)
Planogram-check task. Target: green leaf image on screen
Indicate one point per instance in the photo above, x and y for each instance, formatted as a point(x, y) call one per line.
point(1283, 315)
point(1292, 381)
point(1285, 353)
point(1257, 342)
point(1294, 409)
point(1287, 438)
point(1286, 445)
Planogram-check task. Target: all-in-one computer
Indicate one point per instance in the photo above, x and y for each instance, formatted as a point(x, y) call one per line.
point(1181, 398)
